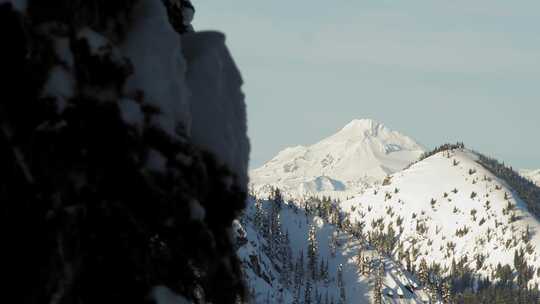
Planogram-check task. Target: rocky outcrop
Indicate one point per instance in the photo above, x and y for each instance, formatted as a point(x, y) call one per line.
point(105, 197)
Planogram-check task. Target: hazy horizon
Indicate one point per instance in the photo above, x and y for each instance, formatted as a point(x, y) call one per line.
point(437, 72)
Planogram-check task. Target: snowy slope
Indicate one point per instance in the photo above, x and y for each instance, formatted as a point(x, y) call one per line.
point(263, 271)
point(451, 207)
point(533, 175)
point(362, 152)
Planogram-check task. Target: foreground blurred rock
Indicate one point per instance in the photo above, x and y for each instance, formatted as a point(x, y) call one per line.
point(120, 179)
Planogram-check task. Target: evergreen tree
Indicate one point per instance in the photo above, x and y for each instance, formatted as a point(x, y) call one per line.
point(313, 253)
point(333, 244)
point(341, 285)
point(379, 284)
point(281, 298)
point(277, 198)
point(307, 292)
point(446, 293)
point(287, 261)
point(408, 261)
point(423, 272)
point(524, 274)
point(366, 266)
point(318, 296)
point(322, 270)
point(258, 219)
point(273, 233)
point(326, 298)
point(390, 240)
point(266, 224)
point(359, 258)
point(433, 292)
point(299, 274)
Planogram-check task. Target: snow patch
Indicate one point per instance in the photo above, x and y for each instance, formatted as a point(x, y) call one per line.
point(153, 45)
point(95, 41)
point(318, 222)
point(197, 211)
point(131, 113)
point(63, 51)
point(156, 161)
point(163, 295)
point(60, 84)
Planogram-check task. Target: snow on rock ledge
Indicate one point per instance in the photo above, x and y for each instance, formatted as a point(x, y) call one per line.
point(198, 85)
point(163, 295)
point(217, 102)
point(155, 51)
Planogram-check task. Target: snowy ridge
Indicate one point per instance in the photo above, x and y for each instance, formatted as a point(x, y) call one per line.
point(449, 208)
point(361, 153)
point(271, 279)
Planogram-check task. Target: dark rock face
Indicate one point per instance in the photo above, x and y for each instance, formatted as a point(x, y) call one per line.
point(179, 13)
point(84, 219)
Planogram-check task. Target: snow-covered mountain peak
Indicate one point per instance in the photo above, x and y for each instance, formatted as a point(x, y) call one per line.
point(368, 132)
point(366, 126)
point(362, 152)
point(359, 129)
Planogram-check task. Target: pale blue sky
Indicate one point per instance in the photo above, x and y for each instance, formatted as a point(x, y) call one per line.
point(437, 71)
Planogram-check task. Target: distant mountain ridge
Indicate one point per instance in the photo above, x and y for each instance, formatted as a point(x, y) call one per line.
point(455, 224)
point(532, 175)
point(453, 217)
point(362, 152)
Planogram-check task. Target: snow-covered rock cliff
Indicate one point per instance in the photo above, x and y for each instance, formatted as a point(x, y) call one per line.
point(124, 154)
